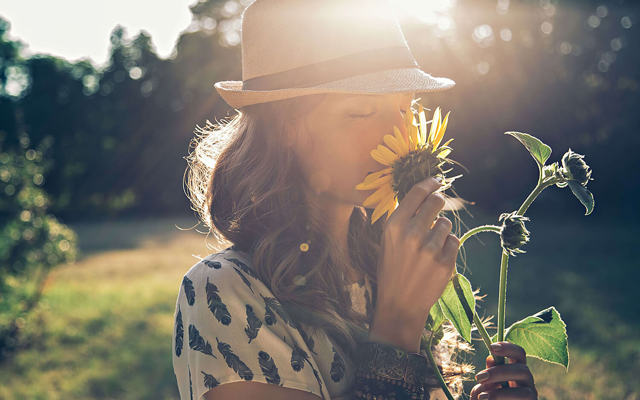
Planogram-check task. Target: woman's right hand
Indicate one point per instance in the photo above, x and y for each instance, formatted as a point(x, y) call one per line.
point(418, 260)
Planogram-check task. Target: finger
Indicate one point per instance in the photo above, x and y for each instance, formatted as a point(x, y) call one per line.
point(435, 239)
point(517, 372)
point(511, 350)
point(412, 200)
point(429, 210)
point(519, 393)
point(450, 250)
point(480, 387)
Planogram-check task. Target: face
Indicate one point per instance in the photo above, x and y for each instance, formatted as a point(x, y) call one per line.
point(337, 136)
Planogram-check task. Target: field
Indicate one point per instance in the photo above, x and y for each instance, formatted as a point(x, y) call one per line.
point(103, 329)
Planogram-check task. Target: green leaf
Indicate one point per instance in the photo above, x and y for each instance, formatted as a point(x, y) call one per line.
point(453, 308)
point(436, 317)
point(542, 335)
point(585, 196)
point(538, 150)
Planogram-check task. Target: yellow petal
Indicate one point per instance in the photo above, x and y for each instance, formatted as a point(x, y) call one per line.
point(408, 116)
point(413, 134)
point(435, 122)
point(375, 183)
point(392, 143)
point(375, 175)
point(379, 196)
point(447, 142)
point(382, 208)
point(441, 130)
point(379, 157)
point(390, 206)
point(401, 140)
point(444, 153)
point(388, 154)
point(423, 125)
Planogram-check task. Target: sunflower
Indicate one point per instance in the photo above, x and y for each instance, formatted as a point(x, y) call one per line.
point(408, 160)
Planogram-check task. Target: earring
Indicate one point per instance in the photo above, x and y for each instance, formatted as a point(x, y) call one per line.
point(304, 246)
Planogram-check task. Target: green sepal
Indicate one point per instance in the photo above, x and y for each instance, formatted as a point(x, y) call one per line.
point(583, 194)
point(542, 335)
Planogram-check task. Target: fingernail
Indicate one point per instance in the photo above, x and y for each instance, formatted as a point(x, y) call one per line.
point(496, 346)
point(482, 376)
point(483, 396)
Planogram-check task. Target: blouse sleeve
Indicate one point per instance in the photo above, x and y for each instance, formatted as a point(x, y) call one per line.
point(228, 327)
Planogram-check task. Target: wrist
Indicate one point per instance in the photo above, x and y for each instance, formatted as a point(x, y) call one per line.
point(397, 331)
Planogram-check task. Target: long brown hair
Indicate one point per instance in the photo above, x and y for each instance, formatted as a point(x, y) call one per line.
point(248, 189)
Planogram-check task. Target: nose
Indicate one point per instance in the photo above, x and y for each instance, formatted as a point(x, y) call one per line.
point(397, 106)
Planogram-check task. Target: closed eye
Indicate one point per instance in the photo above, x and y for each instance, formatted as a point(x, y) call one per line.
point(362, 116)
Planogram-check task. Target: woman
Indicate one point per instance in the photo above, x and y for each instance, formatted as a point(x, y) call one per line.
point(311, 300)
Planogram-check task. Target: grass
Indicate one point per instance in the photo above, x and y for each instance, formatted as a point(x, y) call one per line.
point(103, 328)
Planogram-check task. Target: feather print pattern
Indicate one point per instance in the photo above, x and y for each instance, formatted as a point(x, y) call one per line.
point(209, 381)
point(212, 264)
point(244, 267)
point(274, 304)
point(179, 332)
point(197, 342)
point(190, 385)
point(307, 339)
point(244, 279)
point(217, 307)
point(269, 316)
point(298, 357)
point(278, 356)
point(234, 362)
point(268, 367)
point(188, 290)
point(253, 323)
point(337, 366)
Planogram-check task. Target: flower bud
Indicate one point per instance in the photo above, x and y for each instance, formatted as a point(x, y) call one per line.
point(513, 233)
point(575, 168)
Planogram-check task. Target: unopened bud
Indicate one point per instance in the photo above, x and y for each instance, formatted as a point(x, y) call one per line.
point(513, 233)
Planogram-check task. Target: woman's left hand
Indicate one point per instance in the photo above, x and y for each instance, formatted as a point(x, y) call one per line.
point(516, 372)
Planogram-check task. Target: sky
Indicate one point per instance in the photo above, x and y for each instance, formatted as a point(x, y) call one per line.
point(76, 29)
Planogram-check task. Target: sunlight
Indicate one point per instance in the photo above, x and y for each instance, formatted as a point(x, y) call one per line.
point(430, 12)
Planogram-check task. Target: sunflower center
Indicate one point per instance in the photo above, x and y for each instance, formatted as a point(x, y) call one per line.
point(415, 166)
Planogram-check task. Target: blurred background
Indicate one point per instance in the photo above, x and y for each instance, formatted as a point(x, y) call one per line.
point(96, 231)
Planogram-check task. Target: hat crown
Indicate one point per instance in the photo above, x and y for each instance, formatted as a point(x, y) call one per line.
point(281, 35)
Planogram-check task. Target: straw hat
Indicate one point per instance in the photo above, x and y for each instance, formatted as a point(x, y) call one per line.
point(294, 48)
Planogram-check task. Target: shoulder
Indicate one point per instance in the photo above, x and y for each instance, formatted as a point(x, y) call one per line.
point(229, 268)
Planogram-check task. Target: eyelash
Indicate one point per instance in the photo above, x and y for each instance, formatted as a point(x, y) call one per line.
point(370, 114)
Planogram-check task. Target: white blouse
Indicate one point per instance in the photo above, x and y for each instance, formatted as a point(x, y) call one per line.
point(229, 327)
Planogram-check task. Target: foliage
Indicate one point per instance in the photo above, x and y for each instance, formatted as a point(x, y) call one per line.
point(31, 240)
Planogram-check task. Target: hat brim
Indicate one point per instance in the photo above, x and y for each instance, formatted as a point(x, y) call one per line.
point(387, 81)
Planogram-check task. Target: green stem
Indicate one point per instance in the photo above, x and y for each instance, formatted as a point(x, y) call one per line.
point(504, 265)
point(443, 384)
point(478, 229)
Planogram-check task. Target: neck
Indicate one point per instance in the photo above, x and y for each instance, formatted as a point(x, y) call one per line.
point(335, 216)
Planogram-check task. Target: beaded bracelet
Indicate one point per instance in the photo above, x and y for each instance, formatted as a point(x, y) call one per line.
point(388, 372)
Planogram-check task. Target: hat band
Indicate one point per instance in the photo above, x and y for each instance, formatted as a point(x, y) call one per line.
point(335, 69)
